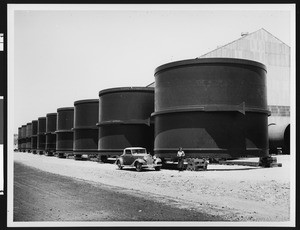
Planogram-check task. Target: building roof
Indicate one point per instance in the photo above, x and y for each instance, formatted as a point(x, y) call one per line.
point(262, 30)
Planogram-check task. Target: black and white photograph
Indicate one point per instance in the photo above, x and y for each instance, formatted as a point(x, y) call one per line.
point(151, 115)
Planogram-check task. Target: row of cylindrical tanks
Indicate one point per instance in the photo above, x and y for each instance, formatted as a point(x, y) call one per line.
point(211, 107)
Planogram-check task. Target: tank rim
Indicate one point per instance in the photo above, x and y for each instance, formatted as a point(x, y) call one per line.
point(23, 126)
point(84, 128)
point(65, 108)
point(29, 123)
point(209, 61)
point(41, 118)
point(34, 121)
point(64, 131)
point(86, 101)
point(126, 89)
point(51, 114)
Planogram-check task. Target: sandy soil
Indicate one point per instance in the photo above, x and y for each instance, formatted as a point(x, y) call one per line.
point(37, 198)
point(236, 193)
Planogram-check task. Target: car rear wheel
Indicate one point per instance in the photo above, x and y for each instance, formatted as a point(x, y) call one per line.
point(119, 165)
point(138, 166)
point(157, 168)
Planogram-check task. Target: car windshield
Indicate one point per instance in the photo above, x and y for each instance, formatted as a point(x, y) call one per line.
point(137, 151)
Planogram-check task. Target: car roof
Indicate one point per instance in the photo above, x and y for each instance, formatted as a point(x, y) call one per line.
point(134, 148)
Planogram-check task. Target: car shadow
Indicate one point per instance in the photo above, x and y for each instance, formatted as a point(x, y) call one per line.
point(134, 170)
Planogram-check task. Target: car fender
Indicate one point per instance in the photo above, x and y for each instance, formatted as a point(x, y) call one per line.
point(138, 160)
point(121, 160)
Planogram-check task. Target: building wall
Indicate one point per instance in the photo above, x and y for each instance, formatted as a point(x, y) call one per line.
point(263, 47)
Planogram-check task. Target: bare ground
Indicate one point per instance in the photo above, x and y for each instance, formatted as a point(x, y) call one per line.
point(235, 193)
point(43, 196)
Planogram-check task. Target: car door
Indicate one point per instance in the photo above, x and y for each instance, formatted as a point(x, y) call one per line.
point(128, 158)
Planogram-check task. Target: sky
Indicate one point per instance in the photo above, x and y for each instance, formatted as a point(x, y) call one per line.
point(62, 55)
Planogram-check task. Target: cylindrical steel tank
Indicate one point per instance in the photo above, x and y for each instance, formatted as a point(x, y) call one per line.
point(211, 107)
point(50, 145)
point(64, 132)
point(124, 119)
point(85, 139)
point(279, 138)
point(28, 136)
point(41, 135)
point(23, 138)
point(19, 138)
point(34, 136)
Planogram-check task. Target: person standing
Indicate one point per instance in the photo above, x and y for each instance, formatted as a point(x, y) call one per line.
point(180, 155)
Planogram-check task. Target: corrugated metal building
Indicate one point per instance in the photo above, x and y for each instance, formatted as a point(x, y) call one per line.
point(264, 47)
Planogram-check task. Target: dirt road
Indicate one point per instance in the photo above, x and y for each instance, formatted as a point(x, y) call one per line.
point(43, 196)
point(234, 193)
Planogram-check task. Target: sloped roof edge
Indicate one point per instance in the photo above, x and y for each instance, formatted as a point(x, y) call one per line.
point(275, 37)
point(243, 38)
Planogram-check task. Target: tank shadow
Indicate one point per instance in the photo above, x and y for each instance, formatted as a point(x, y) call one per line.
point(235, 169)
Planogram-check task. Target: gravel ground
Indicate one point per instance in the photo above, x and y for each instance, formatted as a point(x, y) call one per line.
point(236, 193)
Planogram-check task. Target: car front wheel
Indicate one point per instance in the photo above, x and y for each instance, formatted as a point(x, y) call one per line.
point(138, 166)
point(119, 165)
point(157, 168)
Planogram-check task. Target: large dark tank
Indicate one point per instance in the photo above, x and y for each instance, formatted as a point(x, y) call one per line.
point(34, 136)
point(64, 132)
point(28, 136)
point(19, 138)
point(85, 129)
point(124, 119)
point(211, 107)
point(41, 135)
point(23, 138)
point(50, 146)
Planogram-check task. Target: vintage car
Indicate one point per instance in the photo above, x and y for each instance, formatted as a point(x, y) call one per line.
point(139, 158)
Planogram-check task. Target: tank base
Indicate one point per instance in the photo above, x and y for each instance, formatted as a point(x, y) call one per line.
point(48, 153)
point(77, 157)
point(86, 152)
point(61, 155)
point(269, 162)
point(110, 153)
point(212, 153)
point(69, 155)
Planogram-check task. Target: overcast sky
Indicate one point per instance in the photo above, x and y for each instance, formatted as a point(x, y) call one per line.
point(61, 56)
